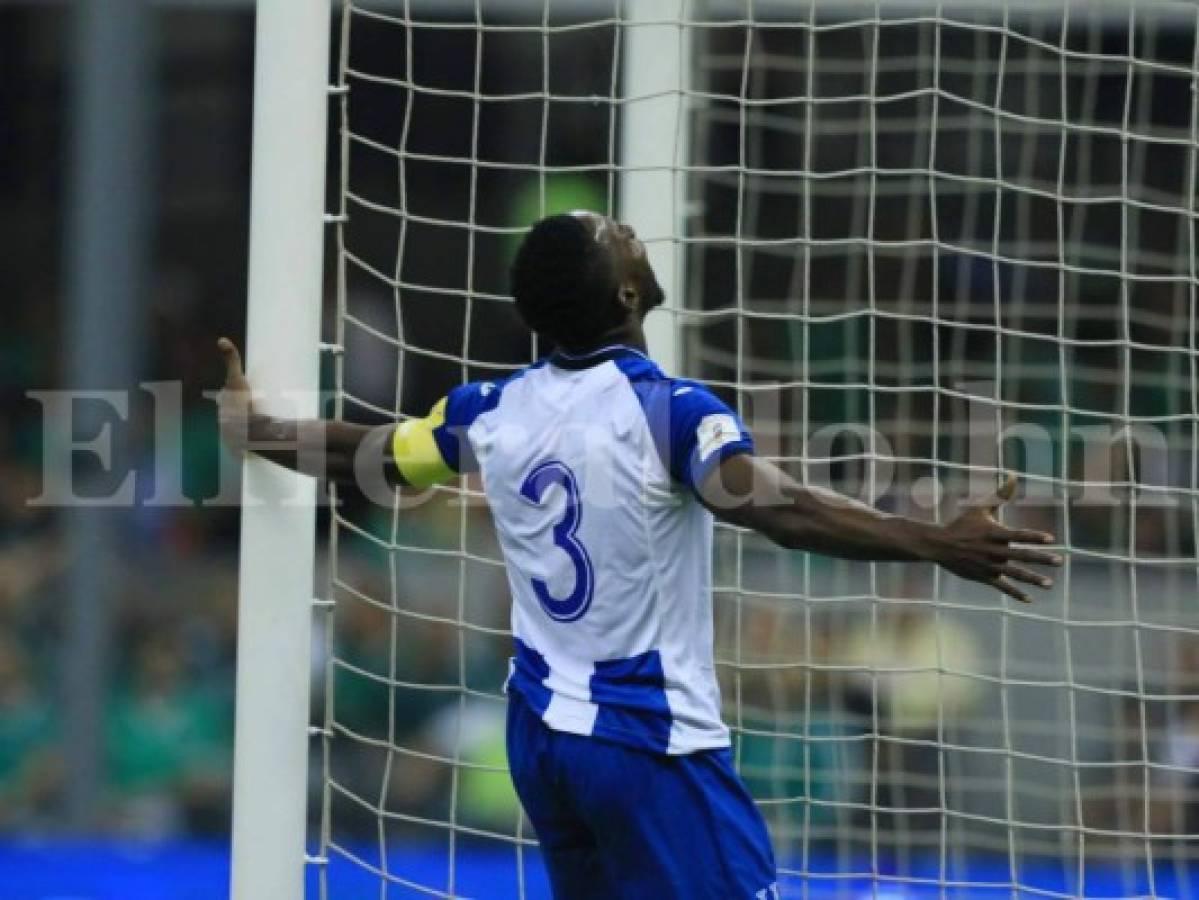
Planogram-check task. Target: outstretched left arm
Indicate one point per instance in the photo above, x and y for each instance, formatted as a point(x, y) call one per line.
point(751, 492)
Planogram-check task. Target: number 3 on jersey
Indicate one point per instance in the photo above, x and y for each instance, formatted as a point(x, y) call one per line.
point(536, 483)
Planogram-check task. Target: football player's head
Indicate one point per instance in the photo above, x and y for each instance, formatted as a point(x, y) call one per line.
point(581, 279)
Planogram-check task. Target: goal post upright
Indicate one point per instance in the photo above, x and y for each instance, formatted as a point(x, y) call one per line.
point(278, 521)
point(653, 153)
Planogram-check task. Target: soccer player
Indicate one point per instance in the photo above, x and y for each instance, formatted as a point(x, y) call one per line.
point(603, 476)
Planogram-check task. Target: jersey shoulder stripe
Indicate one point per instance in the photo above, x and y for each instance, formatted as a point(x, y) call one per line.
point(693, 429)
point(465, 404)
point(431, 450)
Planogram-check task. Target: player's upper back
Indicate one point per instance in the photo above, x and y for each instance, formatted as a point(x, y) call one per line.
point(589, 465)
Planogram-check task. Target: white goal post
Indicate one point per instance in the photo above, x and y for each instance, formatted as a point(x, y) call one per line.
point(278, 525)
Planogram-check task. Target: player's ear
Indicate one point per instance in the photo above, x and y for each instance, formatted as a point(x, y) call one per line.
point(629, 296)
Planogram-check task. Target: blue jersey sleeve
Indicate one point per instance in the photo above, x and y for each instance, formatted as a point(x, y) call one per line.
point(694, 430)
point(464, 404)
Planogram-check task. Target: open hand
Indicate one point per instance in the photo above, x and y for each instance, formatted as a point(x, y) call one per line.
point(976, 546)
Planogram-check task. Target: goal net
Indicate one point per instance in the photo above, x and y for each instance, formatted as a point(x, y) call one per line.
point(917, 244)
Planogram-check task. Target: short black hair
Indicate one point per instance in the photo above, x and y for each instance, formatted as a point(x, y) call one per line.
point(565, 283)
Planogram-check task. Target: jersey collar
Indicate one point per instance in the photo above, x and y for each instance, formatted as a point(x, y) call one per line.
point(564, 360)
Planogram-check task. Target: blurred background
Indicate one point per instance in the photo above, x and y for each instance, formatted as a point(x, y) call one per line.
point(124, 167)
point(890, 219)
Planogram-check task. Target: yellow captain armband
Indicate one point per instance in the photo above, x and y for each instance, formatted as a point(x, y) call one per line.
point(416, 453)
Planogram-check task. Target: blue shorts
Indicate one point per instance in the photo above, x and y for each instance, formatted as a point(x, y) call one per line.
point(622, 824)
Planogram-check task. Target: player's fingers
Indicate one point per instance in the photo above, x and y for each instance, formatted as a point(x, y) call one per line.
point(232, 358)
point(1010, 589)
point(1021, 535)
point(1019, 573)
point(1028, 555)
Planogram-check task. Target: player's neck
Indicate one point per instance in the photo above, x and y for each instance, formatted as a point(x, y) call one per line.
point(627, 334)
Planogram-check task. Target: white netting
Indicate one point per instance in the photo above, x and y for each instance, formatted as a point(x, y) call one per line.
point(923, 242)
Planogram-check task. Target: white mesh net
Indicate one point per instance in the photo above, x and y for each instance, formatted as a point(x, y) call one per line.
point(922, 243)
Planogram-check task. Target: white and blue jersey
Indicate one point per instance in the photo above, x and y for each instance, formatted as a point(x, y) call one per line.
point(615, 744)
point(590, 466)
